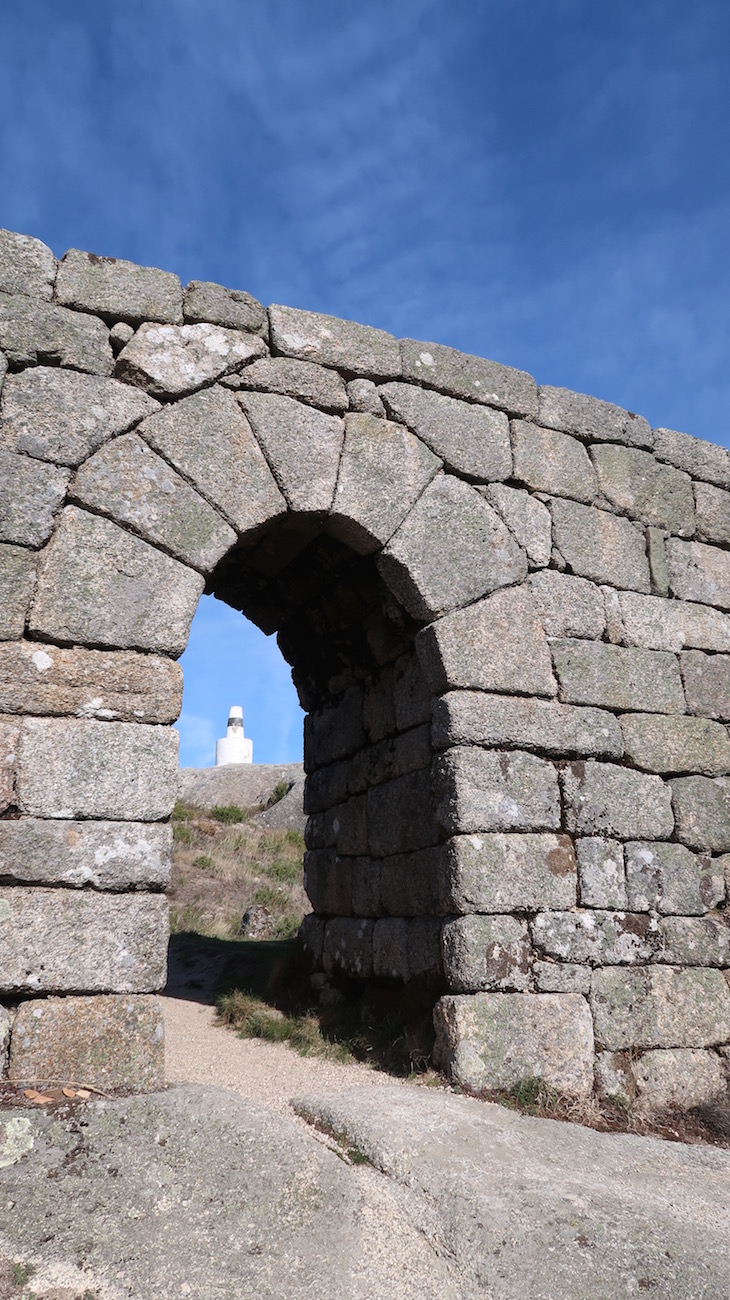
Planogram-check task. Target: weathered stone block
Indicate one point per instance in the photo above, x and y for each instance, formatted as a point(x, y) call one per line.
point(591, 672)
point(695, 941)
point(62, 416)
point(423, 940)
point(679, 1078)
point(311, 937)
point(300, 379)
point(349, 826)
point(600, 545)
point(702, 812)
point(561, 977)
point(62, 940)
point(470, 440)
point(5, 1025)
point(17, 583)
point(647, 490)
point(668, 879)
point(547, 461)
point(476, 718)
point(9, 742)
point(203, 300)
point(391, 758)
point(103, 855)
point(482, 790)
point(364, 396)
point(672, 745)
point(672, 624)
point(26, 265)
point(614, 623)
point(39, 333)
point(120, 770)
point(118, 290)
point(366, 887)
point(615, 1077)
point(494, 644)
point(568, 606)
point(208, 439)
point(601, 874)
point(411, 883)
point(302, 446)
point(706, 683)
point(99, 585)
point(508, 873)
point(401, 815)
point(461, 375)
point(699, 572)
point(603, 799)
point(701, 459)
point(335, 732)
point(171, 360)
point(135, 486)
point(713, 513)
point(104, 1042)
point(412, 696)
point(451, 548)
point(328, 881)
point(348, 947)
point(657, 553)
point(590, 418)
point(594, 938)
point(390, 950)
point(528, 519)
point(311, 336)
point(30, 496)
point(496, 1040)
point(482, 953)
point(326, 787)
point(660, 1007)
point(382, 472)
point(118, 686)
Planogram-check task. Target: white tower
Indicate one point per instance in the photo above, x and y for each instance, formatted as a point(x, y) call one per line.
point(234, 748)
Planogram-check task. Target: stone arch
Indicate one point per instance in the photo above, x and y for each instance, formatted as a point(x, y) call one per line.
point(505, 611)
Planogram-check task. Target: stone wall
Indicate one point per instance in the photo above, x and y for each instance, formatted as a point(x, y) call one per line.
point(507, 611)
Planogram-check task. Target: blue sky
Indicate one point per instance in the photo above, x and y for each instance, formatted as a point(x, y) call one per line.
point(544, 182)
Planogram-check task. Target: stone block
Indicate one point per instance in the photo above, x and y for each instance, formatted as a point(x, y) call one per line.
point(561, 977)
point(679, 1078)
point(508, 873)
point(390, 950)
point(172, 360)
point(30, 497)
point(701, 459)
point(62, 416)
point(118, 770)
point(40, 333)
point(349, 826)
point(412, 696)
point(486, 953)
point(356, 349)
point(470, 440)
point(400, 815)
point(600, 545)
point(311, 937)
point(62, 940)
point(615, 1077)
point(326, 787)
point(694, 941)
point(548, 461)
point(116, 686)
point(595, 938)
point(702, 812)
point(592, 419)
point(328, 881)
point(699, 572)
point(668, 879)
point(302, 446)
point(485, 790)
point(98, 585)
point(363, 396)
point(348, 947)
point(659, 1007)
point(713, 513)
point(461, 375)
point(644, 488)
point(391, 758)
point(26, 265)
point(335, 732)
point(300, 379)
point(119, 336)
point(451, 548)
point(527, 519)
point(135, 486)
point(614, 623)
point(104, 1042)
point(17, 584)
point(603, 799)
point(3, 369)
point(601, 874)
point(674, 745)
point(568, 606)
point(672, 624)
point(411, 883)
point(118, 290)
point(423, 942)
point(5, 1025)
point(203, 300)
point(592, 672)
point(496, 644)
point(657, 553)
point(497, 1040)
point(208, 439)
point(476, 718)
point(366, 874)
point(383, 470)
point(706, 683)
point(9, 742)
point(101, 855)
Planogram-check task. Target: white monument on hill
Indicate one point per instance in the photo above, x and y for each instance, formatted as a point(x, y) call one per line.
point(234, 747)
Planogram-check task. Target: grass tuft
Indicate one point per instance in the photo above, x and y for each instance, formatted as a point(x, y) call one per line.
point(228, 813)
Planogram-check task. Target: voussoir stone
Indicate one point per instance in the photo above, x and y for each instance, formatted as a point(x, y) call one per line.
point(118, 290)
point(460, 375)
point(674, 745)
point(107, 1041)
point(482, 953)
point(603, 799)
point(303, 380)
point(601, 546)
point(62, 416)
point(679, 1078)
point(646, 489)
point(713, 513)
point(40, 333)
point(486, 790)
point(614, 677)
point(26, 265)
point(301, 445)
point(477, 718)
point(64, 940)
point(702, 812)
point(172, 360)
point(548, 461)
point(668, 879)
point(660, 624)
point(496, 644)
point(601, 873)
point(567, 605)
point(17, 583)
point(203, 300)
point(508, 873)
point(694, 941)
point(79, 854)
point(592, 419)
point(99, 585)
point(706, 683)
point(383, 470)
point(659, 1007)
point(451, 548)
point(135, 486)
point(699, 572)
point(117, 685)
point(527, 518)
point(344, 344)
point(497, 1040)
point(469, 439)
point(30, 495)
point(595, 937)
point(701, 459)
